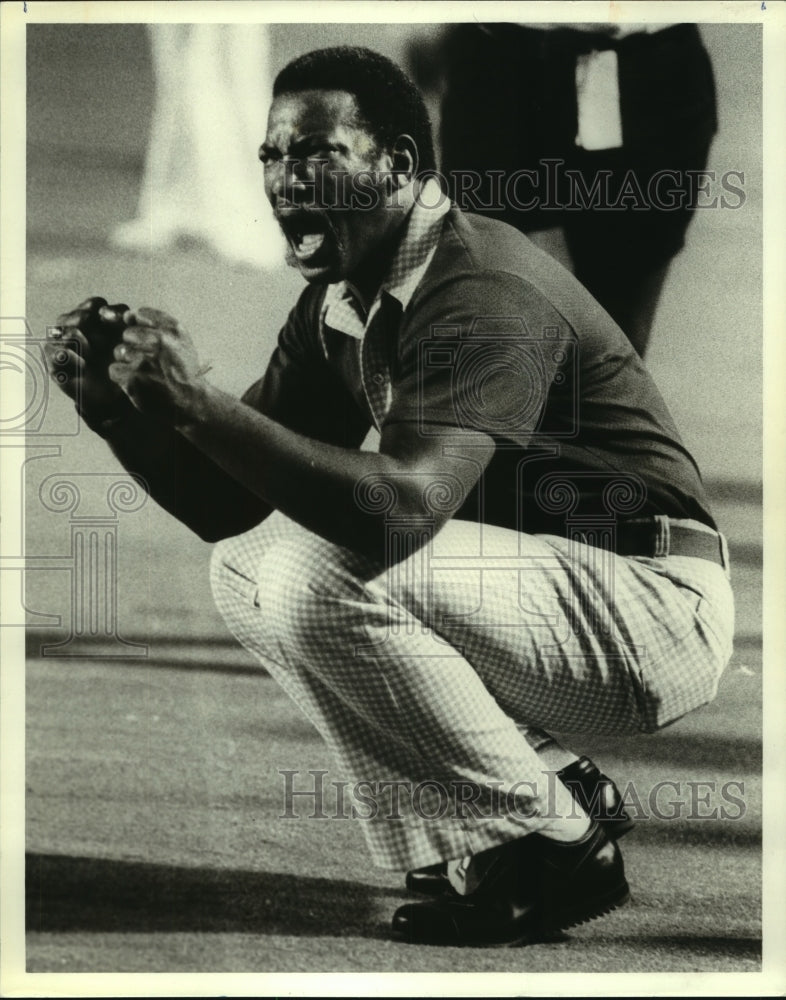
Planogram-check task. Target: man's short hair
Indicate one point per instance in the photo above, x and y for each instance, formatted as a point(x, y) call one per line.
point(388, 101)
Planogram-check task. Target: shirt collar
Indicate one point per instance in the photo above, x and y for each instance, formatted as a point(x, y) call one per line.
point(341, 310)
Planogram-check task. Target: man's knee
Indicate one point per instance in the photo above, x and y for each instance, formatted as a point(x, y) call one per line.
point(297, 585)
point(232, 586)
point(235, 562)
point(302, 588)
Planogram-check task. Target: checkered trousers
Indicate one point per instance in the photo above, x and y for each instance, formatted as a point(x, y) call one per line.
point(445, 666)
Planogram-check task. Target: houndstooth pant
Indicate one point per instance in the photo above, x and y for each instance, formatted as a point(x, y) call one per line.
point(439, 672)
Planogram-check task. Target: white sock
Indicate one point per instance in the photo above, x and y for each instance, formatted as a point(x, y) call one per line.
point(564, 820)
point(462, 876)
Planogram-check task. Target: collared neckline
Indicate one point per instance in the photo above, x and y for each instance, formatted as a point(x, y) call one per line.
point(341, 310)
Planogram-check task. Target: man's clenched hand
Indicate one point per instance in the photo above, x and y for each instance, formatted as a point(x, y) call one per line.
point(79, 351)
point(157, 367)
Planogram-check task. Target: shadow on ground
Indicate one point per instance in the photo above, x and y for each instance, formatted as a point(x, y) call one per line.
point(65, 894)
point(701, 750)
point(728, 946)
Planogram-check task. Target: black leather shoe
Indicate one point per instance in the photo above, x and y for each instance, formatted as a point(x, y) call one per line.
point(491, 916)
point(597, 795)
point(533, 888)
point(579, 881)
point(456, 922)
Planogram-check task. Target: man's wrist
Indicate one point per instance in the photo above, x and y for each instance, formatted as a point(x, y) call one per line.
point(198, 411)
point(104, 421)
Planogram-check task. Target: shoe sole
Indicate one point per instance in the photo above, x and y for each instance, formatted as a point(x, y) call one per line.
point(529, 936)
point(550, 932)
point(598, 907)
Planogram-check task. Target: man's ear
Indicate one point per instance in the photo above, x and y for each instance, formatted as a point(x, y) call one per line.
point(404, 159)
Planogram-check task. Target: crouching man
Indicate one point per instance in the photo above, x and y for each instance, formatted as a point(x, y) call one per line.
point(527, 551)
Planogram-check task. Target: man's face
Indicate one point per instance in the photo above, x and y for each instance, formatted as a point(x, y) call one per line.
point(323, 176)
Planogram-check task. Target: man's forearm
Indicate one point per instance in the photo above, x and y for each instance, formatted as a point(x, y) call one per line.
point(182, 479)
point(273, 466)
point(311, 482)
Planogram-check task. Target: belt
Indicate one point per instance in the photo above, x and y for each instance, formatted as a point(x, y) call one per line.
point(660, 536)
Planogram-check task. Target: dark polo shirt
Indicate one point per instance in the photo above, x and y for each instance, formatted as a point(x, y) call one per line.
point(498, 337)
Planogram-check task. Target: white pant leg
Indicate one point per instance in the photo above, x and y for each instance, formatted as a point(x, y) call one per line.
point(572, 639)
point(352, 645)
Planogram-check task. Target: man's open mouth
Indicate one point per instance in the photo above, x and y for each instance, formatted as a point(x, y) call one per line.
point(307, 244)
point(307, 233)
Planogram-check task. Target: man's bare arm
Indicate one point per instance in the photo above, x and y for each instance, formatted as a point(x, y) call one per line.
point(183, 480)
point(344, 495)
point(316, 484)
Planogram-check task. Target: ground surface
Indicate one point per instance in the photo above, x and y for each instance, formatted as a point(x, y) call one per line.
point(156, 844)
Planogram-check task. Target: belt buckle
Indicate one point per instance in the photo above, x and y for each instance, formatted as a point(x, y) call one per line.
point(662, 535)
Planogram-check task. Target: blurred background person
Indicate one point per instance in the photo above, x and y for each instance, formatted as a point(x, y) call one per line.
point(202, 179)
point(616, 104)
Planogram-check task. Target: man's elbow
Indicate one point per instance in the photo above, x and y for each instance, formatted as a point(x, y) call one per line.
point(216, 529)
point(393, 538)
point(212, 534)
